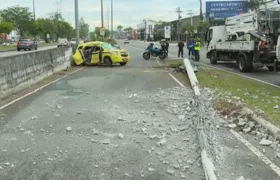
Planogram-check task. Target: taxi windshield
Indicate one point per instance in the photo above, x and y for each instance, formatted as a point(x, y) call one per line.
point(108, 46)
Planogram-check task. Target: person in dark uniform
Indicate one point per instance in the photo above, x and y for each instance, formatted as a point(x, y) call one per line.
point(163, 44)
point(181, 49)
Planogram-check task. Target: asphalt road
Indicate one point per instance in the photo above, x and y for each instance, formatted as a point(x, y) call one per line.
point(261, 74)
point(12, 53)
point(114, 124)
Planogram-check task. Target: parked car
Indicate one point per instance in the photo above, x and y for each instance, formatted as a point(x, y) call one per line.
point(63, 42)
point(73, 41)
point(126, 41)
point(26, 44)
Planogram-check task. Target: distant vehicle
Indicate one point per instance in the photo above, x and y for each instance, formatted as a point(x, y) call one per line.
point(62, 42)
point(73, 41)
point(26, 44)
point(126, 41)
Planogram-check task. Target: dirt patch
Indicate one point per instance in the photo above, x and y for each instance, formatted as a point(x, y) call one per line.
point(226, 108)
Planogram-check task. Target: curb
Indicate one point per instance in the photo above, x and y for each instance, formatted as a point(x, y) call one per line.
point(274, 130)
point(207, 163)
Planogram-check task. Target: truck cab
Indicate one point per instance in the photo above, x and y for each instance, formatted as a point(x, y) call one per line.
point(213, 35)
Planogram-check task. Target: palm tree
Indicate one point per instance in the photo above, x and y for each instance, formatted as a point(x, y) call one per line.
point(255, 4)
point(189, 28)
point(119, 28)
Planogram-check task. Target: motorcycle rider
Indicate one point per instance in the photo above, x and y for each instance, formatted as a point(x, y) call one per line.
point(164, 45)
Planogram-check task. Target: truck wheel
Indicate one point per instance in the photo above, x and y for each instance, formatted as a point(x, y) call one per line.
point(213, 59)
point(242, 64)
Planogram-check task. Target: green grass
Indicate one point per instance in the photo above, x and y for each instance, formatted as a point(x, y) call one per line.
point(14, 47)
point(259, 93)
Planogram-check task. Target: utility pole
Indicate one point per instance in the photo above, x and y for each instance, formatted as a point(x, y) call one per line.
point(201, 15)
point(108, 20)
point(34, 10)
point(178, 10)
point(112, 19)
point(77, 22)
point(102, 21)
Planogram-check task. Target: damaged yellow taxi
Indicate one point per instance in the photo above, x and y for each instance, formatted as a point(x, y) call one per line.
point(100, 53)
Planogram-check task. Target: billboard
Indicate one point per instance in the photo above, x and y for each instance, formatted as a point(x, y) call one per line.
point(224, 9)
point(167, 32)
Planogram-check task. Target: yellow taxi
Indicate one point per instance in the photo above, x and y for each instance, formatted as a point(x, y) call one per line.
point(96, 52)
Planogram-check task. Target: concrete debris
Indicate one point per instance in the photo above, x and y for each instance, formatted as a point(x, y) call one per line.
point(144, 130)
point(4, 150)
point(162, 142)
point(247, 130)
point(171, 172)
point(34, 117)
point(106, 101)
point(142, 174)
point(265, 142)
point(95, 132)
point(182, 175)
point(120, 135)
point(151, 169)
point(79, 112)
point(58, 107)
point(153, 137)
point(176, 166)
point(34, 163)
point(1, 167)
point(7, 164)
point(105, 141)
point(181, 117)
point(231, 125)
point(235, 98)
point(240, 178)
point(42, 130)
point(121, 119)
point(68, 129)
point(276, 107)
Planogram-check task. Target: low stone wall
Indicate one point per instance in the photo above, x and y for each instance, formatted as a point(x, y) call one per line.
point(22, 70)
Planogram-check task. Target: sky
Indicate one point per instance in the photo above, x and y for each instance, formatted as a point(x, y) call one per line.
point(127, 13)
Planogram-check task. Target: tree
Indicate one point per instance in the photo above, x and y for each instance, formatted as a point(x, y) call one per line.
point(19, 16)
point(45, 26)
point(202, 26)
point(255, 4)
point(97, 31)
point(6, 27)
point(119, 27)
point(129, 30)
point(189, 28)
point(84, 28)
point(92, 36)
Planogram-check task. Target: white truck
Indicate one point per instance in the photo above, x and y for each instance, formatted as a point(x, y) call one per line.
point(242, 39)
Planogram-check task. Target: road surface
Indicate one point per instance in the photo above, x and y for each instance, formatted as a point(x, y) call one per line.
point(12, 53)
point(261, 74)
point(132, 122)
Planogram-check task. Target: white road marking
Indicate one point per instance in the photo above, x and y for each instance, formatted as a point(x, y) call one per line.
point(275, 168)
point(241, 75)
point(175, 79)
point(158, 63)
point(40, 88)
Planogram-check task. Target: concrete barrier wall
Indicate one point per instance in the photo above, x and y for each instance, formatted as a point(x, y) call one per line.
point(22, 70)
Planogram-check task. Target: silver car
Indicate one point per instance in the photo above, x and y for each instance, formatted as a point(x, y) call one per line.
point(26, 44)
point(63, 42)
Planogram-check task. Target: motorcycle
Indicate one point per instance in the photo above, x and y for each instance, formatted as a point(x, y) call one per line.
point(154, 52)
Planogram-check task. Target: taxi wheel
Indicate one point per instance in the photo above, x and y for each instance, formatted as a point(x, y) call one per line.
point(123, 63)
point(108, 62)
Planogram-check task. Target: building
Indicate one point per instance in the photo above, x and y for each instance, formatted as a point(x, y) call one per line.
point(183, 34)
point(145, 30)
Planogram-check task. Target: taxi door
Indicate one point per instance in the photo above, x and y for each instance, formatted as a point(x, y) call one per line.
point(95, 55)
point(79, 57)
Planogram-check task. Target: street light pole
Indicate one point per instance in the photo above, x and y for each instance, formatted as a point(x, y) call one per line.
point(112, 19)
point(102, 21)
point(77, 22)
point(34, 10)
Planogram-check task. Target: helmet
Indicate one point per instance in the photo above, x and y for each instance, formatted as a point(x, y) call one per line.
point(151, 44)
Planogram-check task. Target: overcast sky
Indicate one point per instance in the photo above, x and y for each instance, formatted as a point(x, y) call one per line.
point(126, 12)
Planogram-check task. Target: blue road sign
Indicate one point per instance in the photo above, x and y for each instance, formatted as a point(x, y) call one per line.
point(224, 9)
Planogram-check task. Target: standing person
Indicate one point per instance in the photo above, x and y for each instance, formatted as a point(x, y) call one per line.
point(164, 46)
point(181, 49)
point(189, 45)
point(197, 49)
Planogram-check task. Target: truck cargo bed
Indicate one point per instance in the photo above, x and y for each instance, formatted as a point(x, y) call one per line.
point(235, 46)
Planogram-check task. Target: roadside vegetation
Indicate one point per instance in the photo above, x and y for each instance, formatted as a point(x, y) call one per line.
point(242, 91)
